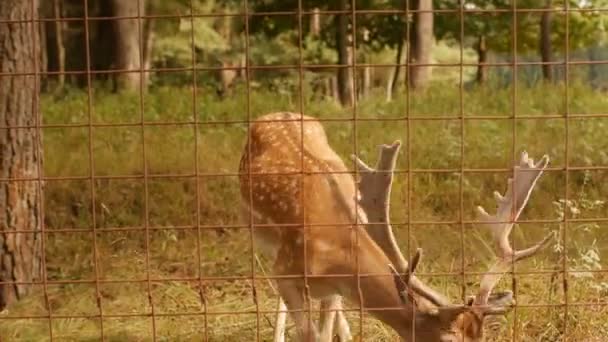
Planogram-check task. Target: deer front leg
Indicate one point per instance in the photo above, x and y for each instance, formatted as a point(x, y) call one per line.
point(295, 299)
point(279, 326)
point(343, 329)
point(329, 307)
point(333, 320)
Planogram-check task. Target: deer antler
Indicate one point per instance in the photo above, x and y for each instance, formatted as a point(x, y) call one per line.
point(375, 189)
point(509, 208)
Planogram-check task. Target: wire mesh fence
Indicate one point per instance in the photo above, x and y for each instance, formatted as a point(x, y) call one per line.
point(140, 119)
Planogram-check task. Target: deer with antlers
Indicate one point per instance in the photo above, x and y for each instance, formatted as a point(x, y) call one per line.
point(330, 237)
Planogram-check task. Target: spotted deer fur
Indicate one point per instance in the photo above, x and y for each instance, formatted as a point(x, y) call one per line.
point(312, 220)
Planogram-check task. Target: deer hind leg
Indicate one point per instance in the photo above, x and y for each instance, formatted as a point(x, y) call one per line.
point(297, 303)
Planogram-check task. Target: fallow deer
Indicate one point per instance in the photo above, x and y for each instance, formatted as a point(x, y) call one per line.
point(330, 237)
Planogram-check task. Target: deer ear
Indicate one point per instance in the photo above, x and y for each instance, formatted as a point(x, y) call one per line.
point(448, 314)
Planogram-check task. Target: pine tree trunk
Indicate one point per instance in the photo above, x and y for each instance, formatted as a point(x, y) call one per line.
point(149, 37)
point(19, 152)
point(59, 45)
point(546, 50)
point(345, 57)
point(482, 59)
point(421, 44)
point(127, 43)
point(315, 22)
point(394, 77)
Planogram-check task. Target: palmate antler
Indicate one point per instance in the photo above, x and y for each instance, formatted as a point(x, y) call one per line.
point(375, 189)
point(509, 208)
point(375, 186)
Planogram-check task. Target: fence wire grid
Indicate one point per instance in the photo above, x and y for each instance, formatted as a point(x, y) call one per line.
point(227, 293)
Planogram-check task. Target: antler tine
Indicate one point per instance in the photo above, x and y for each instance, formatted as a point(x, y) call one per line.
point(510, 206)
point(375, 189)
point(403, 282)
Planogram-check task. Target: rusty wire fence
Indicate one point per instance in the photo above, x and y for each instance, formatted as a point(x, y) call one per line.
point(253, 281)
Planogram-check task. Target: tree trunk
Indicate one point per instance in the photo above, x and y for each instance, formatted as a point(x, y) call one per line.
point(59, 45)
point(482, 59)
point(43, 54)
point(19, 152)
point(345, 57)
point(315, 22)
point(546, 50)
point(227, 76)
point(421, 43)
point(367, 69)
point(149, 37)
point(127, 45)
point(394, 78)
point(367, 81)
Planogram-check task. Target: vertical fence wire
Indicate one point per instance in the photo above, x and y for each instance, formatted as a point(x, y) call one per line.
point(566, 163)
point(514, 148)
point(252, 226)
point(308, 309)
point(354, 95)
point(38, 155)
point(144, 161)
point(89, 88)
point(463, 285)
point(199, 258)
point(408, 127)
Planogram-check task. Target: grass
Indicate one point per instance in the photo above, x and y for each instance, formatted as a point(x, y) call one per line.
point(172, 248)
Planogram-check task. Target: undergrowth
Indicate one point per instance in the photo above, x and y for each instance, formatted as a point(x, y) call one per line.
point(481, 139)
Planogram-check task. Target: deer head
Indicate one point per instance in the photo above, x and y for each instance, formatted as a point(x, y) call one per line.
point(465, 322)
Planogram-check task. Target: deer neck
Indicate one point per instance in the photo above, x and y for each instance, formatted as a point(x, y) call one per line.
point(380, 296)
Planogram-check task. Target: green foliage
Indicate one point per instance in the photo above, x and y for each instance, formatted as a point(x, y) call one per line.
point(584, 28)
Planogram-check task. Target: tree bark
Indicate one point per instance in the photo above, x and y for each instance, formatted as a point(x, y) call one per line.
point(394, 78)
point(148, 49)
point(546, 50)
point(367, 70)
point(59, 45)
point(345, 57)
point(227, 76)
point(315, 22)
point(482, 59)
point(19, 152)
point(421, 43)
point(127, 45)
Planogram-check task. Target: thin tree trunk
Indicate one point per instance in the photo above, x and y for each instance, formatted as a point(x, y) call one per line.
point(19, 152)
point(367, 80)
point(394, 78)
point(315, 22)
point(421, 44)
point(546, 50)
point(345, 78)
point(59, 45)
point(482, 59)
point(127, 43)
point(335, 93)
point(227, 76)
point(43, 53)
point(367, 70)
point(149, 37)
